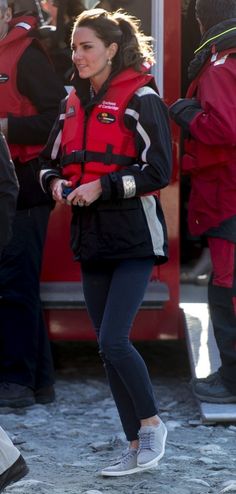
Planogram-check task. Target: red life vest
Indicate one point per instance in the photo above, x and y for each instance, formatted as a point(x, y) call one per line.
point(12, 101)
point(102, 144)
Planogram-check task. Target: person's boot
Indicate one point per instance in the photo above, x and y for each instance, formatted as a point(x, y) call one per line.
point(15, 395)
point(45, 395)
point(14, 473)
point(212, 390)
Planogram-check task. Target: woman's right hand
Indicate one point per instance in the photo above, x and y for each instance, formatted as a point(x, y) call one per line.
point(56, 186)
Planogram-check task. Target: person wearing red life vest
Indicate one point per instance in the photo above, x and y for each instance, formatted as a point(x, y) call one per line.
point(28, 108)
point(208, 117)
point(111, 145)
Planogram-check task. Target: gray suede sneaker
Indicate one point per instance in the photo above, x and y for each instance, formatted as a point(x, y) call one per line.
point(152, 441)
point(125, 465)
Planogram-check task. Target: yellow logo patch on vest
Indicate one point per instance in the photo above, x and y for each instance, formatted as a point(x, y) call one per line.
point(106, 118)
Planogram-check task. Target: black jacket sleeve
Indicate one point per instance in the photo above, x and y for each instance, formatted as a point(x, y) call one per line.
point(183, 111)
point(49, 158)
point(147, 116)
point(37, 80)
point(8, 193)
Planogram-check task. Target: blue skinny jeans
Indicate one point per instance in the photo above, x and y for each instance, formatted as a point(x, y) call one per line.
point(113, 292)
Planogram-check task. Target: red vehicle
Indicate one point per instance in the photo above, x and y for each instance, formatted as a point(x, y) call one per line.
point(160, 316)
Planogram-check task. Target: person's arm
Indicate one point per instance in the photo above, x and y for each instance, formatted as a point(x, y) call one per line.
point(49, 158)
point(8, 193)
point(37, 80)
point(147, 117)
point(215, 125)
point(211, 118)
point(183, 112)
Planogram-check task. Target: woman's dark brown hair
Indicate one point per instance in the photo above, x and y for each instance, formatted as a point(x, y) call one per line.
point(134, 48)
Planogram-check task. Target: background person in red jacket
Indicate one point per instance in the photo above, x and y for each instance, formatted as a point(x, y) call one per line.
point(208, 117)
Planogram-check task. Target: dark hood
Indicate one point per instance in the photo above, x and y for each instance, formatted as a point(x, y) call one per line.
point(218, 38)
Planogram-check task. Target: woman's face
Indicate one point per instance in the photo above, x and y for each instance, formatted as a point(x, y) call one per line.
point(90, 56)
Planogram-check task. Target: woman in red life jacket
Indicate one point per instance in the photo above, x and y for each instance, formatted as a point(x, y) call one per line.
point(111, 144)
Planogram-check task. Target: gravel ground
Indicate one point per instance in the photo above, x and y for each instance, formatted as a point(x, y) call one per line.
point(68, 442)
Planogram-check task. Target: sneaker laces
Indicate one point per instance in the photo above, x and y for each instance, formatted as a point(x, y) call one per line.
point(126, 455)
point(147, 440)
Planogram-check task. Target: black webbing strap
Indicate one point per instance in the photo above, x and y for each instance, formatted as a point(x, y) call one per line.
point(84, 156)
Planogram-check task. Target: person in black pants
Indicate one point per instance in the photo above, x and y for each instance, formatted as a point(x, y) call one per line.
point(9, 189)
point(111, 144)
point(12, 464)
point(29, 105)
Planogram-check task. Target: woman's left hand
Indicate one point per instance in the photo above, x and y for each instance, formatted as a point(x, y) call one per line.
point(85, 194)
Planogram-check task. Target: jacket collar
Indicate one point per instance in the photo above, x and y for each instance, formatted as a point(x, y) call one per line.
point(218, 38)
point(82, 86)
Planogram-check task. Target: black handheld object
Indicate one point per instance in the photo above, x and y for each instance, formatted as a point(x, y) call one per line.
point(66, 191)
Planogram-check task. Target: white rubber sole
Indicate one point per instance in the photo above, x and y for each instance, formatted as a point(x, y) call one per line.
point(106, 473)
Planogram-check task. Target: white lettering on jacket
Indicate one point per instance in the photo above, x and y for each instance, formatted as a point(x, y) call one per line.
point(109, 105)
